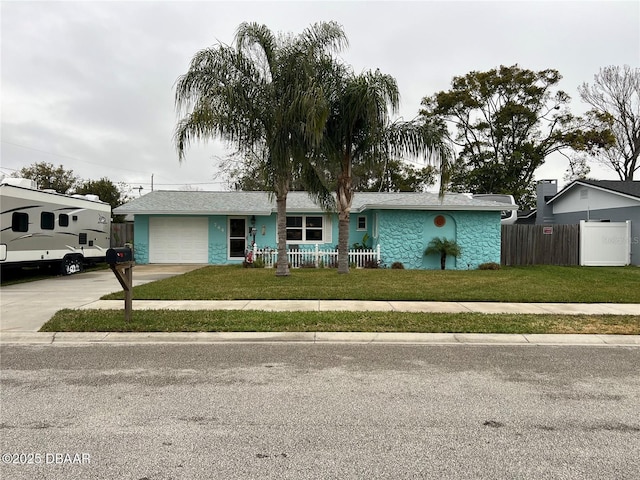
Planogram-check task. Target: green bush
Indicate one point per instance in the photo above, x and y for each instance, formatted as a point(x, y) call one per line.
point(489, 266)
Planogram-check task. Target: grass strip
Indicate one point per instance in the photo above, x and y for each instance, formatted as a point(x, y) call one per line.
point(260, 321)
point(541, 283)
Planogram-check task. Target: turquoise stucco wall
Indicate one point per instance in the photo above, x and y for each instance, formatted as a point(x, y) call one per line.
point(479, 234)
point(355, 235)
point(429, 231)
point(270, 238)
point(141, 239)
point(218, 226)
point(404, 235)
point(218, 240)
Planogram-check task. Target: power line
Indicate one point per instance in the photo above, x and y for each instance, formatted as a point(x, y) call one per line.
point(179, 183)
point(66, 156)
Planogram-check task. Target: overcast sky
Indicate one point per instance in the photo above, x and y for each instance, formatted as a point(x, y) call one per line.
point(89, 85)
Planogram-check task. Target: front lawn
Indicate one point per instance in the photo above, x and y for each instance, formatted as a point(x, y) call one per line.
point(509, 284)
point(512, 284)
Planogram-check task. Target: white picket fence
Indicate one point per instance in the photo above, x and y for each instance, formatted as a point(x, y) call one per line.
point(317, 258)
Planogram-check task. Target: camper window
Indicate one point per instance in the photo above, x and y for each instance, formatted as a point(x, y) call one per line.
point(63, 220)
point(47, 221)
point(82, 239)
point(20, 222)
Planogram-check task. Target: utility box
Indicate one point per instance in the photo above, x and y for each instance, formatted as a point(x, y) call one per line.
point(118, 255)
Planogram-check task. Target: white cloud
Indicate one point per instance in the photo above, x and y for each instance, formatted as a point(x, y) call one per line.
point(89, 85)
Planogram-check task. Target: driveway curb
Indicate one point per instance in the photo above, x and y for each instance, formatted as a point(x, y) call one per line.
point(80, 338)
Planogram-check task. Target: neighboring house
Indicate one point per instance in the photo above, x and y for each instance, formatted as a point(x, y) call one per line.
point(592, 200)
point(218, 227)
point(526, 217)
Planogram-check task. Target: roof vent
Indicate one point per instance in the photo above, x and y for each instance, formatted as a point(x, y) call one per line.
point(20, 182)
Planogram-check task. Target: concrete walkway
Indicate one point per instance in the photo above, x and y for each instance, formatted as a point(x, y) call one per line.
point(378, 306)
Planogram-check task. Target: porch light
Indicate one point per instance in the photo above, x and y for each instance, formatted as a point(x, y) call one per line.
point(263, 230)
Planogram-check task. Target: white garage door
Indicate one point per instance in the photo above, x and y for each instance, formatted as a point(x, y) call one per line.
point(178, 240)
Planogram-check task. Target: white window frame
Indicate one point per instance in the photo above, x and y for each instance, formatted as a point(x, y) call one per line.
point(229, 237)
point(358, 228)
point(304, 241)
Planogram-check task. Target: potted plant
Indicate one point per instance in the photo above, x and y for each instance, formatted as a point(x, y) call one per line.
point(443, 247)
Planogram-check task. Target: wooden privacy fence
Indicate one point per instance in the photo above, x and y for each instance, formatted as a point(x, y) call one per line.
point(121, 233)
point(318, 258)
point(540, 245)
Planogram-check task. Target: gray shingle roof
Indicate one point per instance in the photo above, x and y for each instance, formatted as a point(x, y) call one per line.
point(630, 188)
point(262, 203)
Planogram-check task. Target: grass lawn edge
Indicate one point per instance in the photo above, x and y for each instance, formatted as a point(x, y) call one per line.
point(145, 321)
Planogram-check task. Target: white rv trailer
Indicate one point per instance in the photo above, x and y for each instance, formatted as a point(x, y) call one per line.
point(44, 227)
point(507, 217)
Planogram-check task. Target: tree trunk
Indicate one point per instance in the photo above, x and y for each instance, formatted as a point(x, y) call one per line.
point(343, 243)
point(282, 266)
point(344, 197)
point(443, 260)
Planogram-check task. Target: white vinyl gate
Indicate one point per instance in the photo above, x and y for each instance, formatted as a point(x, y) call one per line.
point(605, 243)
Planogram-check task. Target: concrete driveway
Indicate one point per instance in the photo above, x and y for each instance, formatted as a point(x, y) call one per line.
point(25, 307)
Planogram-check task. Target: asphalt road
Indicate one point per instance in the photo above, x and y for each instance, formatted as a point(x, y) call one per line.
point(245, 411)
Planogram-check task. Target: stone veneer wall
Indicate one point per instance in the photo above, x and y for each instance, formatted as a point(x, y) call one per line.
point(479, 235)
point(404, 235)
point(397, 232)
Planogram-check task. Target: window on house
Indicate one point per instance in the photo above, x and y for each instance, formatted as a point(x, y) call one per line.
point(20, 222)
point(237, 237)
point(305, 229)
point(47, 220)
point(63, 220)
point(362, 223)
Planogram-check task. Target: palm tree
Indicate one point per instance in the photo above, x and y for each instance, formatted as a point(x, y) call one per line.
point(261, 93)
point(359, 129)
point(443, 247)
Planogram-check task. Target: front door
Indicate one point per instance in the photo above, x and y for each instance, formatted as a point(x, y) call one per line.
point(237, 238)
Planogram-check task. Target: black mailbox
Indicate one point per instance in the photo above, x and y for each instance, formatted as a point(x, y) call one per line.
point(118, 255)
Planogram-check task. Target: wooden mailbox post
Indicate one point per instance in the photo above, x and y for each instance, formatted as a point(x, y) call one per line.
point(121, 262)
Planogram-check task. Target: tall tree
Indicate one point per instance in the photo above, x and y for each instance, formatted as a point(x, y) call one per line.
point(506, 122)
point(106, 190)
point(261, 94)
point(578, 168)
point(246, 173)
point(359, 129)
point(47, 176)
point(615, 95)
point(393, 175)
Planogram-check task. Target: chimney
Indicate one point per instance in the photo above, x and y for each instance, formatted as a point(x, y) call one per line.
point(545, 190)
